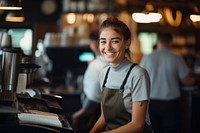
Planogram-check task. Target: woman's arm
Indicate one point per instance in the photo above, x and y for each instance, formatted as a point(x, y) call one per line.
point(99, 125)
point(138, 119)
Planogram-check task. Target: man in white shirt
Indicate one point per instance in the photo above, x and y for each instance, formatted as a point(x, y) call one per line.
point(167, 72)
point(91, 91)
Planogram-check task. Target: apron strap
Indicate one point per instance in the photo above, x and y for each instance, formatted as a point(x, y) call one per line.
point(105, 79)
point(125, 80)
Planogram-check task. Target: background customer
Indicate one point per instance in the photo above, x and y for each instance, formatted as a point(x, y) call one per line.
point(167, 72)
point(84, 118)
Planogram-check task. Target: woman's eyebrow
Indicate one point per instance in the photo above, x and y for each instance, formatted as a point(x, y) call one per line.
point(111, 38)
point(116, 38)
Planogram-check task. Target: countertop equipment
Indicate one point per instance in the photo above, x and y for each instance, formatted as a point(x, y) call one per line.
point(29, 68)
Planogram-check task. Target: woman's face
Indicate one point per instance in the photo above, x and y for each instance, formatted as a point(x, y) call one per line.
point(112, 46)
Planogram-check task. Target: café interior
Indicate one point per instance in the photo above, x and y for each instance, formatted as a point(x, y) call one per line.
point(46, 45)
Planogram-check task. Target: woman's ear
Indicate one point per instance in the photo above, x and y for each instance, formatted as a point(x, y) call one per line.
point(128, 43)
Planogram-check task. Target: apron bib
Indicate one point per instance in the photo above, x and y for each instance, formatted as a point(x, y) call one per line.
point(113, 107)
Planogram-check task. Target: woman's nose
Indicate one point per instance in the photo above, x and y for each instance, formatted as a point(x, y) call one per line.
point(108, 45)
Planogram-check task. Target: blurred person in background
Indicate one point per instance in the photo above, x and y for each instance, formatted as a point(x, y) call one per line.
point(84, 118)
point(167, 71)
point(42, 59)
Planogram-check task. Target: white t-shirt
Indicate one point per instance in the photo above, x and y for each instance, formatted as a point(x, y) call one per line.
point(165, 69)
point(91, 85)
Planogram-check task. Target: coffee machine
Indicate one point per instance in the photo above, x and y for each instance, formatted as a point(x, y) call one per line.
point(10, 61)
point(16, 73)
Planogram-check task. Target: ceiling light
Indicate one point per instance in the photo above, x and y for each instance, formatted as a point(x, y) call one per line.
point(15, 17)
point(71, 18)
point(195, 14)
point(195, 18)
point(10, 5)
point(146, 17)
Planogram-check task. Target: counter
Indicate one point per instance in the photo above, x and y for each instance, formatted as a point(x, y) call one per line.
point(190, 109)
point(33, 114)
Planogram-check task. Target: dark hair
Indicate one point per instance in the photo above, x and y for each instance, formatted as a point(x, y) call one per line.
point(117, 25)
point(165, 37)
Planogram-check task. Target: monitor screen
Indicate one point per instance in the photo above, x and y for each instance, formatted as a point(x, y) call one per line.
point(64, 59)
point(86, 56)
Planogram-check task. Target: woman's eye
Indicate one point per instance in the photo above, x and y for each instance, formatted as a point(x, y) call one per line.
point(102, 42)
point(115, 41)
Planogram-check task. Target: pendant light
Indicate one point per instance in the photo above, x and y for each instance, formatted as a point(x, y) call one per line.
point(195, 15)
point(15, 16)
point(147, 15)
point(10, 5)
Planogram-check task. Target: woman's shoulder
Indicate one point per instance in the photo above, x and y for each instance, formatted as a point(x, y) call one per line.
point(139, 70)
point(104, 70)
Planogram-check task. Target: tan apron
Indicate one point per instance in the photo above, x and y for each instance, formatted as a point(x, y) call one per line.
point(113, 106)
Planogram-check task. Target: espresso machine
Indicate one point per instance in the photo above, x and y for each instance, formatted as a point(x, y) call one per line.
point(13, 67)
point(10, 61)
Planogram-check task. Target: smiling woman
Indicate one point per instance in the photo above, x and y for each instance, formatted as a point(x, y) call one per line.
point(125, 86)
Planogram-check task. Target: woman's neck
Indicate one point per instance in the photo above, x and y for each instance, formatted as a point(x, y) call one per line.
point(116, 64)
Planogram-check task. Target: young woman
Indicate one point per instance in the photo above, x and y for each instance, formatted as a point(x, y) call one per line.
point(125, 85)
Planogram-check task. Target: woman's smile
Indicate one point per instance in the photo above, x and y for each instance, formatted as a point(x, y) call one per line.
point(109, 54)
